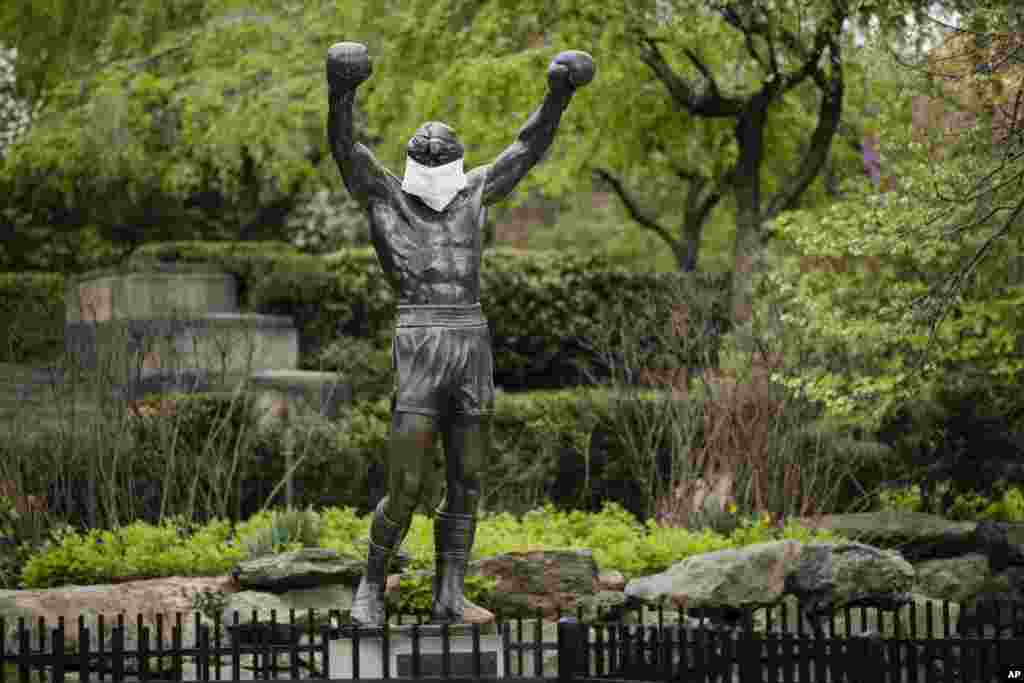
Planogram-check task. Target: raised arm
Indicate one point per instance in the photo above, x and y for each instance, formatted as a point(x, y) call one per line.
point(348, 65)
point(568, 71)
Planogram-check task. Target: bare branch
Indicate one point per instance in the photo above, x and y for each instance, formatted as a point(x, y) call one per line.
point(704, 71)
point(824, 38)
point(635, 212)
point(829, 116)
point(732, 17)
point(684, 95)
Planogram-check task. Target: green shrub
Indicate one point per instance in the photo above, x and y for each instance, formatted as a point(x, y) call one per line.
point(289, 530)
point(175, 548)
point(139, 550)
point(906, 499)
point(968, 506)
point(416, 595)
point(971, 506)
point(359, 361)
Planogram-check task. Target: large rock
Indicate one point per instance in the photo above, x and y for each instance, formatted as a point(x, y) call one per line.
point(740, 577)
point(836, 575)
point(916, 535)
point(826, 578)
point(306, 568)
point(957, 579)
point(148, 598)
point(1003, 542)
point(548, 580)
point(823, 576)
point(310, 605)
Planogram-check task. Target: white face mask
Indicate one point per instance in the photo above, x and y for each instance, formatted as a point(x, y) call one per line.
point(435, 185)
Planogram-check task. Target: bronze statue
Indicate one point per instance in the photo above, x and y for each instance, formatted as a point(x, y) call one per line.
point(427, 231)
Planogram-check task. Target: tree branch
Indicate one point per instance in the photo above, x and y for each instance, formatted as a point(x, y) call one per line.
point(704, 71)
point(709, 104)
point(732, 17)
point(829, 116)
point(955, 285)
point(633, 208)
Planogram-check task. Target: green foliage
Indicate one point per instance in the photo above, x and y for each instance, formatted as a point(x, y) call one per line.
point(966, 507)
point(895, 331)
point(210, 604)
point(340, 528)
point(416, 596)
point(360, 362)
point(179, 548)
point(904, 500)
point(139, 551)
point(193, 428)
point(287, 531)
point(194, 123)
point(209, 116)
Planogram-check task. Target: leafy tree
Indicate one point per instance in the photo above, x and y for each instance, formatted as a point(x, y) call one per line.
point(190, 120)
point(925, 289)
point(677, 117)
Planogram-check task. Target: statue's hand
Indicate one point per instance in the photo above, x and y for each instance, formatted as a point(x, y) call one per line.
point(348, 65)
point(570, 70)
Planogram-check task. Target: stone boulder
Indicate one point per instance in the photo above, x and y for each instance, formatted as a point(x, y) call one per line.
point(1003, 542)
point(548, 580)
point(148, 598)
point(313, 578)
point(972, 564)
point(823, 576)
point(737, 577)
point(831, 576)
point(771, 578)
point(918, 536)
point(305, 568)
point(956, 578)
point(611, 580)
point(314, 606)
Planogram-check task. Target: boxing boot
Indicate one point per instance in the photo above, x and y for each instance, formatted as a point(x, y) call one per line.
point(385, 538)
point(453, 540)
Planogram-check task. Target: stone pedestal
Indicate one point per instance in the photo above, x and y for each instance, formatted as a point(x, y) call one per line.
point(460, 646)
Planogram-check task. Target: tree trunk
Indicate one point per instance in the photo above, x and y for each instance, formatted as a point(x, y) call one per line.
point(747, 189)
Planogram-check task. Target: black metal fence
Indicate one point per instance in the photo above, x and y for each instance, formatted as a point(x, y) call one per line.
point(695, 651)
point(988, 646)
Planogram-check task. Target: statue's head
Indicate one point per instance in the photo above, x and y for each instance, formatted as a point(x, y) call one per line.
point(434, 144)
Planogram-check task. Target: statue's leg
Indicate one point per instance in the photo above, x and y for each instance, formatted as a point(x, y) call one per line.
point(467, 445)
point(410, 459)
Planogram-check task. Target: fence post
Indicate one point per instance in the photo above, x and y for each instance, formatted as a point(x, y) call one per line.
point(573, 655)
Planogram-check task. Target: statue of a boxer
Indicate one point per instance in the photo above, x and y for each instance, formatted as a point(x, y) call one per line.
point(427, 230)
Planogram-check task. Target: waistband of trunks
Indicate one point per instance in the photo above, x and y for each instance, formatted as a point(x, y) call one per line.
point(427, 315)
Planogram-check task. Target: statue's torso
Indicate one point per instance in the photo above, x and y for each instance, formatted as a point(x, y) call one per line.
point(430, 257)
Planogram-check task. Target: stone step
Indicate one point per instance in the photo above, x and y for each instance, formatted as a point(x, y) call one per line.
point(224, 347)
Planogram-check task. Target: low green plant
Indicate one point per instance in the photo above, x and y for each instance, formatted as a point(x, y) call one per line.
point(208, 603)
point(906, 499)
point(362, 363)
point(969, 506)
point(178, 548)
point(416, 594)
point(139, 550)
point(286, 531)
